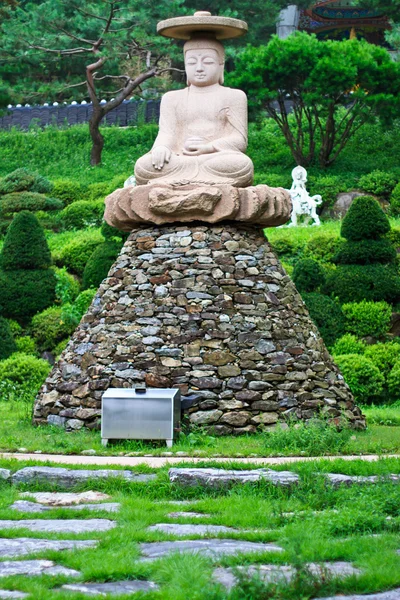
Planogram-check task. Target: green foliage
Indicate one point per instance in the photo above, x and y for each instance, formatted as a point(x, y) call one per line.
point(60, 348)
point(23, 180)
point(99, 190)
point(354, 283)
point(15, 327)
point(394, 380)
point(316, 77)
point(395, 201)
point(365, 219)
point(361, 375)
point(26, 345)
point(384, 356)
point(364, 252)
point(378, 183)
point(24, 369)
point(82, 214)
point(367, 318)
point(49, 328)
point(328, 186)
point(348, 344)
point(23, 293)
point(72, 313)
point(308, 275)
point(67, 287)
point(272, 180)
point(68, 190)
point(110, 233)
point(32, 201)
point(313, 438)
point(25, 245)
point(7, 343)
point(99, 264)
point(77, 252)
point(322, 247)
point(288, 248)
point(327, 315)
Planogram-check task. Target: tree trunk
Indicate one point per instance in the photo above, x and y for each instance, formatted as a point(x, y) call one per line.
point(97, 138)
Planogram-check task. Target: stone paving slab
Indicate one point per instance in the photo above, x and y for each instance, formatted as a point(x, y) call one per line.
point(13, 547)
point(390, 595)
point(60, 525)
point(5, 474)
point(113, 587)
point(5, 594)
point(224, 478)
point(284, 573)
point(213, 547)
point(188, 515)
point(65, 498)
point(68, 478)
point(25, 506)
point(34, 567)
point(337, 479)
point(180, 529)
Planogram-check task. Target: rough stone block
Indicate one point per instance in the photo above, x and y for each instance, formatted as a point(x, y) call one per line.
point(67, 478)
point(221, 478)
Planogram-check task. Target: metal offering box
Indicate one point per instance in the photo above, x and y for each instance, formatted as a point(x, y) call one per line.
point(140, 414)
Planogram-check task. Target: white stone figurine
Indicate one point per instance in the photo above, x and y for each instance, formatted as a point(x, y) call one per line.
point(303, 203)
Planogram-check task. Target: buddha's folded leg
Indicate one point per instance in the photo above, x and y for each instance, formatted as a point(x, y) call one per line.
point(234, 168)
point(178, 168)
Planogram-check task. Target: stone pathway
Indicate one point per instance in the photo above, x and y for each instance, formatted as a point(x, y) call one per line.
point(188, 529)
point(34, 567)
point(117, 587)
point(391, 595)
point(5, 594)
point(284, 573)
point(25, 506)
point(212, 547)
point(60, 525)
point(65, 498)
point(188, 515)
point(13, 547)
point(67, 478)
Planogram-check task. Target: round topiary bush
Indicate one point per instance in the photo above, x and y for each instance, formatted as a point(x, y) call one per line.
point(364, 220)
point(394, 381)
point(363, 282)
point(32, 201)
point(322, 247)
point(99, 264)
point(26, 345)
point(48, 328)
point(328, 186)
point(82, 214)
point(395, 201)
point(23, 293)
point(384, 356)
point(24, 369)
point(68, 190)
point(366, 252)
point(348, 344)
point(308, 275)
point(17, 181)
point(77, 252)
point(327, 315)
point(7, 342)
point(378, 183)
point(367, 318)
point(25, 245)
point(361, 375)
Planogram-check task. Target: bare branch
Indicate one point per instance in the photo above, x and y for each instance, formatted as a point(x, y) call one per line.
point(62, 52)
point(126, 77)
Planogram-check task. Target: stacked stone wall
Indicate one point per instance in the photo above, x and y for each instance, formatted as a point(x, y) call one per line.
point(208, 309)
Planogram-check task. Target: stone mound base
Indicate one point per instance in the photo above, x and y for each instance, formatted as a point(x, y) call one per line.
point(210, 310)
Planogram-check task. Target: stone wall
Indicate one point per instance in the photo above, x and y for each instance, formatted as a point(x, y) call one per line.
point(208, 309)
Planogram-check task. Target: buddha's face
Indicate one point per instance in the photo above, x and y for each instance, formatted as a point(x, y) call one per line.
point(202, 67)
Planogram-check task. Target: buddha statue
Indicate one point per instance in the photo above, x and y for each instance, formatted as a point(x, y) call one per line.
point(203, 128)
point(197, 169)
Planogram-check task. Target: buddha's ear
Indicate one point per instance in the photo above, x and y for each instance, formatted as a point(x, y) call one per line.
point(221, 77)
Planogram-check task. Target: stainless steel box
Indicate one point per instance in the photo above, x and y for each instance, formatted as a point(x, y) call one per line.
point(135, 414)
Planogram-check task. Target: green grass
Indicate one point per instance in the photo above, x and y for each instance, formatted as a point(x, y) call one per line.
point(311, 522)
point(17, 432)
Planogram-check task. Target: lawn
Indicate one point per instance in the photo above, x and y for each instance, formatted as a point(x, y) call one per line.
point(311, 522)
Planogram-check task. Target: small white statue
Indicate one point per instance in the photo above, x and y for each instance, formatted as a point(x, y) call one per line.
point(303, 203)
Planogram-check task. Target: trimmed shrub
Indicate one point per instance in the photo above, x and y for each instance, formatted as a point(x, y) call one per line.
point(367, 318)
point(72, 313)
point(15, 327)
point(81, 214)
point(24, 293)
point(67, 287)
point(42, 185)
point(395, 201)
point(32, 201)
point(68, 190)
point(24, 369)
point(26, 345)
point(361, 375)
point(272, 180)
point(327, 315)
point(100, 190)
point(364, 220)
point(18, 180)
point(378, 183)
point(365, 252)
point(394, 381)
point(323, 247)
point(348, 344)
point(7, 343)
point(288, 248)
point(99, 264)
point(77, 252)
point(110, 233)
point(384, 356)
point(60, 348)
point(308, 275)
point(363, 282)
point(48, 328)
point(25, 246)
point(328, 186)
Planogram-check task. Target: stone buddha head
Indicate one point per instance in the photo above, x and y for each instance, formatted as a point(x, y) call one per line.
point(204, 61)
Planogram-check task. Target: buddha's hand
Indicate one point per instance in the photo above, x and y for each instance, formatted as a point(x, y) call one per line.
point(160, 156)
point(196, 145)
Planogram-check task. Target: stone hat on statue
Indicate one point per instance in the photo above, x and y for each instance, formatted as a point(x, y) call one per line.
point(203, 23)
